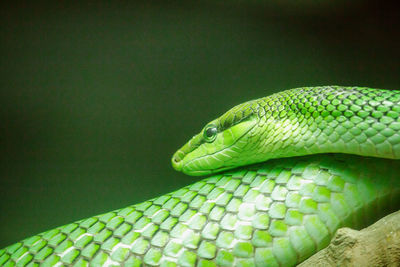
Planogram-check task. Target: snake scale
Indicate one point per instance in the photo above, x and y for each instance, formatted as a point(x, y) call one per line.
point(286, 171)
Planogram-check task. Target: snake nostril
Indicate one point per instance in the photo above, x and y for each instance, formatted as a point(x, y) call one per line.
point(176, 158)
point(177, 162)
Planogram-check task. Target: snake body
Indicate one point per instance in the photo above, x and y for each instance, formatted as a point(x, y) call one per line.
point(283, 181)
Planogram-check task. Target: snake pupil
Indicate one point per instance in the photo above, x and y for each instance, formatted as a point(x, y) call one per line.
point(210, 133)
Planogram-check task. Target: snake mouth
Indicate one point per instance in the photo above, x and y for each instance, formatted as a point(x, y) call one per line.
point(207, 172)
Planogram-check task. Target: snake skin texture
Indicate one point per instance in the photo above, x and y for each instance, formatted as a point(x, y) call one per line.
point(276, 213)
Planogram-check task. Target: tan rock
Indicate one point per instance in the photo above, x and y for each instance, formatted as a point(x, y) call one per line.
point(376, 245)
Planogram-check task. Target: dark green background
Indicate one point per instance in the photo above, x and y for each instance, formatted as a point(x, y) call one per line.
point(96, 98)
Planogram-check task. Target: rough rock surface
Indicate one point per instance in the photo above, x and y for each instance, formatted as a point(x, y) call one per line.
point(376, 245)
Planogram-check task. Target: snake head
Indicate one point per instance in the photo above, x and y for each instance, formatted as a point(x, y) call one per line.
point(220, 145)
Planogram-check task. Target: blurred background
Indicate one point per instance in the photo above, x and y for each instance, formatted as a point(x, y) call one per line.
point(95, 98)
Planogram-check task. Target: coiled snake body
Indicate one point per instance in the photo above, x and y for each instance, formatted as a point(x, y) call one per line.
point(283, 181)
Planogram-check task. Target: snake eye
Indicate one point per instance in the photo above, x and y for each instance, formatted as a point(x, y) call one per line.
point(210, 133)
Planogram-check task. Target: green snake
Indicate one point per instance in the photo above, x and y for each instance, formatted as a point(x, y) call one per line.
point(282, 181)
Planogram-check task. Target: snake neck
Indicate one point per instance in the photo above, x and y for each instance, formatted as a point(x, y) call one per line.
point(335, 119)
